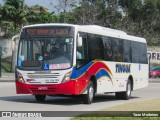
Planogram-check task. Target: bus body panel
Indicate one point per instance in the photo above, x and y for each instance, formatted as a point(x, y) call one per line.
point(107, 80)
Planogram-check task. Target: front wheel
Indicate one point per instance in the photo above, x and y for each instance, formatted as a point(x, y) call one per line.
point(40, 98)
point(88, 98)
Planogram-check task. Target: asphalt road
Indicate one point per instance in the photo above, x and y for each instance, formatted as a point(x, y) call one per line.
point(10, 101)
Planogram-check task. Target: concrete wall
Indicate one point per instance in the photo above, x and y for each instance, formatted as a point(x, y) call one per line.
point(154, 54)
point(6, 45)
point(9, 49)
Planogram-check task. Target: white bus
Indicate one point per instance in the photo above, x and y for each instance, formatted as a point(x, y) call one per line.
point(79, 60)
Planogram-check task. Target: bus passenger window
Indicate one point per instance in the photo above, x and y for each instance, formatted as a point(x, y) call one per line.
point(108, 53)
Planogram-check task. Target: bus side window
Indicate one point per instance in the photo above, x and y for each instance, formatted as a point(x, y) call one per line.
point(135, 52)
point(127, 51)
point(108, 53)
point(117, 50)
point(82, 50)
point(143, 53)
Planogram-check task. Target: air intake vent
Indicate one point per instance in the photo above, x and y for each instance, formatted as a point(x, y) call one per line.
point(33, 76)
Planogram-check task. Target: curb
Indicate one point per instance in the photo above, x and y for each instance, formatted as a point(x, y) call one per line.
point(154, 81)
point(13, 80)
point(10, 79)
point(7, 80)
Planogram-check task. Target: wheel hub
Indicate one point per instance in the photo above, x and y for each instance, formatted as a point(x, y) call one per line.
point(91, 92)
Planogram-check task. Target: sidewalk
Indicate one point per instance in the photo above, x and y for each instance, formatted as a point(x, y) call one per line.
point(7, 77)
point(154, 80)
point(10, 77)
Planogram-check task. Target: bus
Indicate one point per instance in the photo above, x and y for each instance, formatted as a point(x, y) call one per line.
point(79, 60)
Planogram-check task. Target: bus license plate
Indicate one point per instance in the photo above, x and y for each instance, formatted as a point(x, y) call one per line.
point(43, 88)
point(50, 80)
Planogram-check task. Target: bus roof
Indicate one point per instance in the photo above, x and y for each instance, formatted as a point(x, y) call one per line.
point(50, 24)
point(104, 29)
point(95, 29)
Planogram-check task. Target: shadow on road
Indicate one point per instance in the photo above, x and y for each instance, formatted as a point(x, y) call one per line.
point(56, 100)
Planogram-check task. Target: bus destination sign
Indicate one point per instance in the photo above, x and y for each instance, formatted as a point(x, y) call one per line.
point(47, 31)
point(30, 63)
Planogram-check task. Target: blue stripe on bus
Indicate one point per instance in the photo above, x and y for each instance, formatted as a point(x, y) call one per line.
point(102, 73)
point(80, 71)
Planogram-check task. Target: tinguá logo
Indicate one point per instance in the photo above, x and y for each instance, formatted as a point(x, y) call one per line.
point(123, 68)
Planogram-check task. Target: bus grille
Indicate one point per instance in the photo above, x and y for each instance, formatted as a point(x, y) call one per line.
point(54, 75)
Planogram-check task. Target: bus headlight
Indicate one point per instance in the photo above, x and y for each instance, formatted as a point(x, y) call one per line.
point(66, 77)
point(20, 77)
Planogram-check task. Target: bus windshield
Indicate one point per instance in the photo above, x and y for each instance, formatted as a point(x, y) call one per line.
point(45, 53)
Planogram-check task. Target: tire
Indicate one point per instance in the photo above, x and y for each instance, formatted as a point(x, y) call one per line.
point(127, 94)
point(88, 98)
point(40, 98)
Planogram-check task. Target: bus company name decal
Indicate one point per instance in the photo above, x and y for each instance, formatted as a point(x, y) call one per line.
point(123, 68)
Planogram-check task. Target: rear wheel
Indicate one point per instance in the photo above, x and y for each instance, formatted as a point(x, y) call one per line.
point(127, 94)
point(40, 98)
point(88, 98)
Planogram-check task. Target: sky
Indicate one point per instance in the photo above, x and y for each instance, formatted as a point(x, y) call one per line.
point(45, 3)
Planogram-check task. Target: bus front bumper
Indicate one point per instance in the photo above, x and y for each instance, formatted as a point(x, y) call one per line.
point(67, 88)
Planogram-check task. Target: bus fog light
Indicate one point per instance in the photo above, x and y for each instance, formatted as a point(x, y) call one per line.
point(20, 77)
point(67, 78)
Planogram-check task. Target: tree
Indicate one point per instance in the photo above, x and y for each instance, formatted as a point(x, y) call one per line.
point(14, 11)
point(142, 19)
point(99, 12)
point(39, 14)
point(64, 7)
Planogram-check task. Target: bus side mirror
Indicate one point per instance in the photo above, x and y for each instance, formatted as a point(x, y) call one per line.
point(79, 42)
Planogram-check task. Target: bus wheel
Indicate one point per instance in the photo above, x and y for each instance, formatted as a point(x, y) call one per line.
point(127, 94)
point(40, 98)
point(88, 98)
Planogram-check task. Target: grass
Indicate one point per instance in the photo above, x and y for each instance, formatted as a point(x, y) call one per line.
point(147, 105)
point(116, 118)
point(115, 113)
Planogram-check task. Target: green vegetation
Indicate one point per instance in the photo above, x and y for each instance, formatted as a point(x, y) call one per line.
point(124, 111)
point(15, 13)
point(116, 118)
point(136, 17)
point(155, 64)
point(6, 65)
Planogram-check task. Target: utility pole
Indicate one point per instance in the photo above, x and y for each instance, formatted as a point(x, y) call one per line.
point(0, 61)
point(14, 52)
